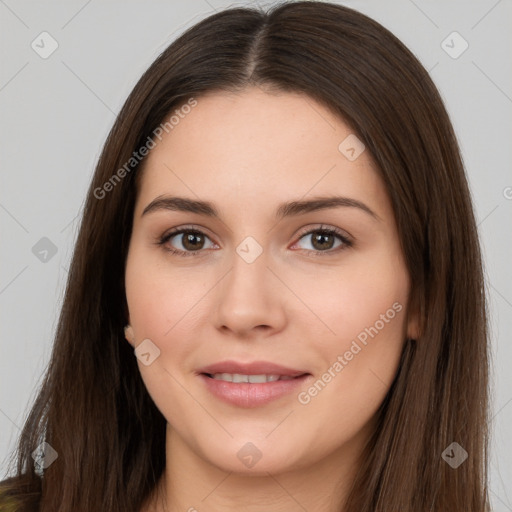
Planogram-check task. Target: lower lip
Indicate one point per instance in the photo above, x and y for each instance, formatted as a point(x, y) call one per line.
point(245, 394)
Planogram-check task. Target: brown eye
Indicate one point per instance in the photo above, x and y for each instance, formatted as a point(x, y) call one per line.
point(192, 241)
point(325, 240)
point(185, 242)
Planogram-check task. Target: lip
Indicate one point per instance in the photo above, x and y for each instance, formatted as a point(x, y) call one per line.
point(245, 394)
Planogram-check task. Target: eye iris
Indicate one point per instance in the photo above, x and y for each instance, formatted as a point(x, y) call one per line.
point(189, 239)
point(319, 241)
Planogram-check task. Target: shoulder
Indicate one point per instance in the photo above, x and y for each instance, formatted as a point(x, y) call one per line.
point(10, 498)
point(8, 503)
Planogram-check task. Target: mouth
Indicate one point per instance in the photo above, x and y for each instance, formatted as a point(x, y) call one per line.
point(251, 379)
point(253, 384)
point(233, 371)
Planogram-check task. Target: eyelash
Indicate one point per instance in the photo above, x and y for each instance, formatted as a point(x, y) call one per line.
point(324, 230)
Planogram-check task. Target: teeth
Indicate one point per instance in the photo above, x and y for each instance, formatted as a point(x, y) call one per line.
point(253, 379)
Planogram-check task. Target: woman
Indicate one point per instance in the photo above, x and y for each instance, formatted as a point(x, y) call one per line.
point(236, 367)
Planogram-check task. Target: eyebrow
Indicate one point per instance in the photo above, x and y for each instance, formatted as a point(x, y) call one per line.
point(288, 209)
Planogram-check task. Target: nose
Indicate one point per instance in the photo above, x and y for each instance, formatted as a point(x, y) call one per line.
point(250, 299)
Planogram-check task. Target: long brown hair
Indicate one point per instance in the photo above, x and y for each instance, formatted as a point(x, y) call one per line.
point(93, 408)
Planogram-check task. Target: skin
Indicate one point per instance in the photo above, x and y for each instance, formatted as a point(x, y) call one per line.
point(247, 153)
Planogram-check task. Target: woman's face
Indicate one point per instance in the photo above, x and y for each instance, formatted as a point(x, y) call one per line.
point(256, 288)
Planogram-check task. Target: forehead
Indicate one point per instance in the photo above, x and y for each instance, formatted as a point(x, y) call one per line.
point(242, 147)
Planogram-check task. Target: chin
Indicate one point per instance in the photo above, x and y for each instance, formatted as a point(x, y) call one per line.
point(254, 458)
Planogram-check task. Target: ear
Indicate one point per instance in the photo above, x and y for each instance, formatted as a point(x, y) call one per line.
point(129, 334)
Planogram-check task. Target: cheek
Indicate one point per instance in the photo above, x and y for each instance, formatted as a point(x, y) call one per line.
point(162, 299)
point(168, 304)
point(365, 308)
point(163, 303)
point(367, 290)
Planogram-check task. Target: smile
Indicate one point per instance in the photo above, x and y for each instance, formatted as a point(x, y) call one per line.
point(251, 379)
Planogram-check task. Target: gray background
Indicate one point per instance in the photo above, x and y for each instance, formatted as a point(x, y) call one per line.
point(56, 113)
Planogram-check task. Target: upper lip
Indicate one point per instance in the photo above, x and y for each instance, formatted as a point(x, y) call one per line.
point(252, 368)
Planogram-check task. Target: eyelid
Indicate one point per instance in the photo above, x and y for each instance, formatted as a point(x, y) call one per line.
point(186, 227)
point(325, 227)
